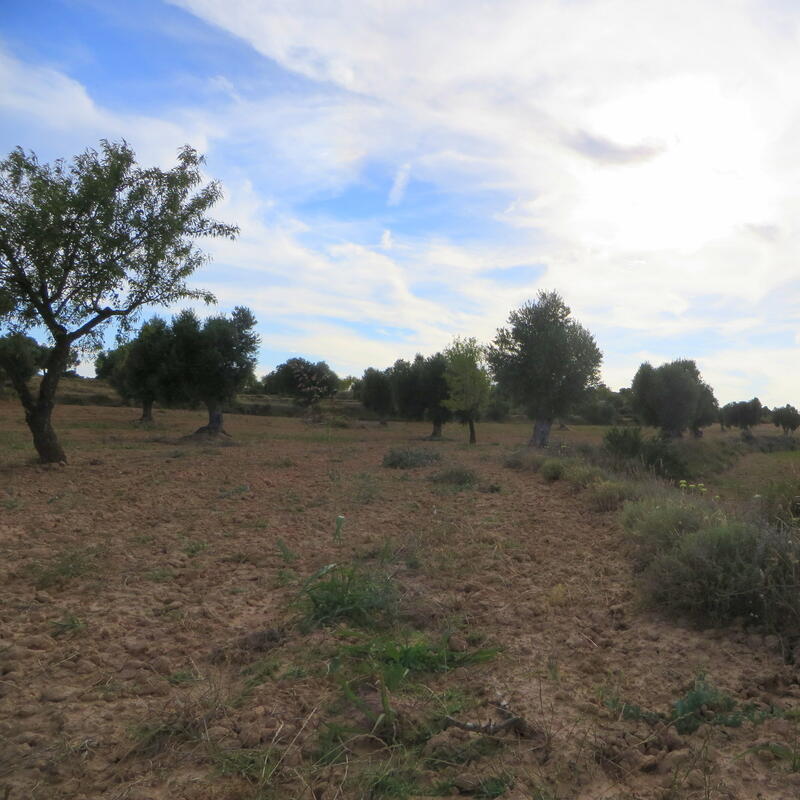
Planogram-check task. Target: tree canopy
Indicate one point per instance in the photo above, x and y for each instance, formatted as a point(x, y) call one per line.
point(95, 240)
point(468, 382)
point(787, 418)
point(673, 397)
point(544, 361)
point(306, 382)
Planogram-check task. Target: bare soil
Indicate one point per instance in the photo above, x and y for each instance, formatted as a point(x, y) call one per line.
point(151, 646)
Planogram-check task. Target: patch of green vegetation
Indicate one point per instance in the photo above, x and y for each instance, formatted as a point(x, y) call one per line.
point(160, 575)
point(528, 460)
point(182, 677)
point(365, 489)
point(193, 548)
point(495, 786)
point(255, 765)
point(63, 567)
point(610, 495)
point(456, 477)
point(68, 625)
point(552, 469)
point(287, 554)
point(342, 593)
point(410, 459)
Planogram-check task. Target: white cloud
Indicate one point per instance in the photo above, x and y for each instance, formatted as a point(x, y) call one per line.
point(399, 185)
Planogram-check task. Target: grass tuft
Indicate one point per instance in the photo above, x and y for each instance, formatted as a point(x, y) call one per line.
point(410, 459)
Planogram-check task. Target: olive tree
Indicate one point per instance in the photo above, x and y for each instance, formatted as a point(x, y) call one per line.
point(787, 418)
point(90, 242)
point(544, 361)
point(468, 382)
point(673, 397)
point(304, 381)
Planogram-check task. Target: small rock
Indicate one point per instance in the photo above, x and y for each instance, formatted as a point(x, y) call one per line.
point(674, 760)
point(695, 779)
point(467, 783)
point(135, 646)
point(648, 763)
point(457, 643)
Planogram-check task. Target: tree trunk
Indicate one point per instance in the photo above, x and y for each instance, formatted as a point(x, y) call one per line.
point(214, 427)
point(541, 433)
point(39, 410)
point(472, 439)
point(147, 411)
point(437, 429)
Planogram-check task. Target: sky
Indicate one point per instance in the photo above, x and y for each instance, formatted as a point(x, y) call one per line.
point(407, 171)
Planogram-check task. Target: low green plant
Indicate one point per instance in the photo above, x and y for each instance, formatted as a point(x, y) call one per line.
point(287, 554)
point(582, 475)
point(624, 442)
point(610, 495)
point(62, 568)
point(410, 459)
point(528, 460)
point(342, 593)
point(69, 624)
point(457, 477)
point(552, 469)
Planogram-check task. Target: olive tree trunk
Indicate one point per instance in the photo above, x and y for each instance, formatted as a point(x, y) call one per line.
point(541, 433)
point(147, 411)
point(437, 429)
point(472, 438)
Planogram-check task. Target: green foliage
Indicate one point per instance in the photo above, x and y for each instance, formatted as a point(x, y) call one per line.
point(62, 568)
point(302, 380)
point(610, 495)
point(341, 593)
point(581, 475)
point(410, 459)
point(673, 397)
point(787, 418)
point(458, 477)
point(656, 526)
point(624, 442)
point(525, 459)
point(21, 357)
point(743, 414)
point(468, 382)
point(552, 469)
point(375, 391)
point(544, 360)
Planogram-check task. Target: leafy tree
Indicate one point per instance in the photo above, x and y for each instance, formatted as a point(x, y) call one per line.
point(376, 392)
point(743, 414)
point(599, 406)
point(93, 241)
point(434, 392)
point(137, 369)
point(406, 379)
point(21, 357)
point(673, 397)
point(544, 360)
point(468, 382)
point(302, 380)
point(210, 363)
point(787, 418)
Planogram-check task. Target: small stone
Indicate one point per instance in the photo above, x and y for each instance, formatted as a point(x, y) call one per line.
point(648, 763)
point(467, 783)
point(674, 760)
point(458, 644)
point(135, 646)
point(695, 779)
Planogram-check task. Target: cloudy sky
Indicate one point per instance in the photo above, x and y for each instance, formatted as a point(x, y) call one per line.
point(404, 171)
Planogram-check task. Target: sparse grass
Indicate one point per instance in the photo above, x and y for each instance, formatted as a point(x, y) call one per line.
point(582, 475)
point(526, 459)
point(63, 567)
point(68, 625)
point(160, 575)
point(342, 593)
point(410, 459)
point(193, 548)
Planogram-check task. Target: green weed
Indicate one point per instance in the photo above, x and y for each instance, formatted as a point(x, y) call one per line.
point(68, 625)
point(410, 459)
point(456, 477)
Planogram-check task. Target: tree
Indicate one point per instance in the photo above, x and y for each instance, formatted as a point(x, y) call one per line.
point(468, 382)
point(406, 379)
point(302, 380)
point(376, 392)
point(21, 357)
point(544, 361)
point(90, 242)
point(743, 415)
point(673, 397)
point(434, 391)
point(137, 369)
point(210, 363)
point(787, 418)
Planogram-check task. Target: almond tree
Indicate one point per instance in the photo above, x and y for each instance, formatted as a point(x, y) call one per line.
point(91, 242)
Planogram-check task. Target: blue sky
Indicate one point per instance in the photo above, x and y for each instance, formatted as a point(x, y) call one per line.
point(403, 173)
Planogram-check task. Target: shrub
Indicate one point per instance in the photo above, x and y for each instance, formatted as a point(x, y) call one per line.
point(730, 570)
point(342, 593)
point(527, 459)
point(610, 495)
point(460, 477)
point(552, 469)
point(656, 526)
point(581, 475)
point(409, 459)
point(624, 442)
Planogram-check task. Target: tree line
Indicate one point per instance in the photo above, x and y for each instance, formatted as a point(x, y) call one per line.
point(94, 242)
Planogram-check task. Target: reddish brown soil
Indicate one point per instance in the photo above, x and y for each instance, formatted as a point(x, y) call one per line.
point(130, 576)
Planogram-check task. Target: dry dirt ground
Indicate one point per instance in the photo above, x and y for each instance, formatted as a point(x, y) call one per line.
point(153, 644)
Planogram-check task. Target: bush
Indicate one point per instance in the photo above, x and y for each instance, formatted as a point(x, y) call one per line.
point(340, 593)
point(409, 459)
point(552, 469)
point(610, 495)
point(731, 570)
point(624, 442)
point(527, 459)
point(581, 475)
point(657, 526)
point(461, 477)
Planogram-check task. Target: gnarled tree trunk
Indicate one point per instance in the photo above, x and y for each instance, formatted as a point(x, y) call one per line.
point(147, 411)
point(437, 429)
point(541, 433)
point(214, 427)
point(472, 438)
